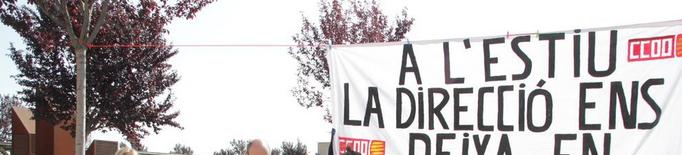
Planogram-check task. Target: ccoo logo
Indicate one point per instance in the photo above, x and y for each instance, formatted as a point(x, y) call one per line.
point(362, 146)
point(663, 47)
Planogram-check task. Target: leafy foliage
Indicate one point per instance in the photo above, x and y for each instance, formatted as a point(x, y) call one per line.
point(6, 104)
point(3, 151)
point(290, 148)
point(127, 89)
point(182, 149)
point(237, 147)
point(276, 151)
point(352, 23)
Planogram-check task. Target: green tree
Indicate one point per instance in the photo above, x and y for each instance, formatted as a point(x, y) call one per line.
point(276, 151)
point(291, 148)
point(3, 151)
point(182, 149)
point(6, 104)
point(237, 147)
point(351, 23)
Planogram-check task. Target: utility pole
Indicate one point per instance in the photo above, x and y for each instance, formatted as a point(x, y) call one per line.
point(58, 12)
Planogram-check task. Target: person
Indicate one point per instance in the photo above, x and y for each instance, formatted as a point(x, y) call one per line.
point(257, 147)
point(349, 151)
point(126, 151)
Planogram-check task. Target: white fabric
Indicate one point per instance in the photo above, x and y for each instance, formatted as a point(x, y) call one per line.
point(362, 67)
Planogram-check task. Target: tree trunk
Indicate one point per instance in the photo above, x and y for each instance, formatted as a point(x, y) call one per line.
point(81, 60)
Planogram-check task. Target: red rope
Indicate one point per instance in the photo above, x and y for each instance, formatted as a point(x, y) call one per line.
point(195, 45)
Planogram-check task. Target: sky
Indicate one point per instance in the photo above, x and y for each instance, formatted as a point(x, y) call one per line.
point(244, 92)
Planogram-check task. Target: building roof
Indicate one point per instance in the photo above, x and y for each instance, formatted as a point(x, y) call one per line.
point(26, 117)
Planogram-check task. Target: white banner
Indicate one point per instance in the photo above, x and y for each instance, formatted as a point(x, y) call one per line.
point(592, 91)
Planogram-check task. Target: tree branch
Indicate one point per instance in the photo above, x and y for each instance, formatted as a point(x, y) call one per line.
point(104, 13)
point(41, 5)
point(69, 25)
point(86, 13)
